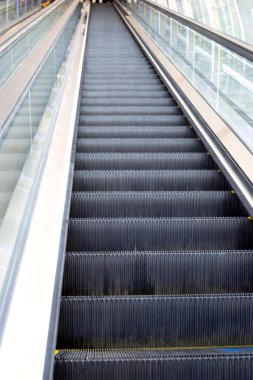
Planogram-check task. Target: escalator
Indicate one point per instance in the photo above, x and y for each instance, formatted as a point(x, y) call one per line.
point(159, 261)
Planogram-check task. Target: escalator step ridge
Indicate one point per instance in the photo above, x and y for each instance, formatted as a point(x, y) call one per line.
point(181, 272)
point(143, 161)
point(109, 322)
point(139, 365)
point(140, 180)
point(132, 119)
point(134, 132)
point(139, 145)
point(160, 233)
point(168, 204)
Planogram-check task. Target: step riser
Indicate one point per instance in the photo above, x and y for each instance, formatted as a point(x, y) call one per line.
point(148, 181)
point(159, 234)
point(132, 120)
point(139, 145)
point(129, 110)
point(131, 161)
point(155, 322)
point(135, 132)
point(186, 204)
point(154, 369)
point(158, 94)
point(127, 102)
point(119, 273)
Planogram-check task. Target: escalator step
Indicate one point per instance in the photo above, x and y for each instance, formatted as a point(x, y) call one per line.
point(123, 88)
point(156, 204)
point(155, 321)
point(130, 110)
point(132, 120)
point(130, 273)
point(142, 161)
point(115, 76)
point(230, 363)
point(121, 81)
point(107, 94)
point(139, 145)
point(148, 180)
point(120, 70)
point(159, 234)
point(134, 131)
point(127, 102)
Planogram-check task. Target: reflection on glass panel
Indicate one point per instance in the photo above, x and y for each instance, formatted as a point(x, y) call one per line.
point(203, 43)
point(232, 17)
point(11, 10)
point(23, 144)
point(11, 58)
point(222, 77)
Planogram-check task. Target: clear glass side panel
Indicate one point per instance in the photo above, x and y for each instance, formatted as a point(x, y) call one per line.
point(222, 77)
point(23, 144)
point(12, 10)
point(12, 58)
point(232, 17)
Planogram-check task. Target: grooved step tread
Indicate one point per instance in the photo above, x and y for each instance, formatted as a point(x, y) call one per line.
point(142, 161)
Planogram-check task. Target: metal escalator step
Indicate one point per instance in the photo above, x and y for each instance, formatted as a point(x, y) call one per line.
point(161, 364)
point(115, 76)
point(143, 161)
point(156, 321)
point(121, 69)
point(132, 120)
point(134, 131)
point(161, 94)
point(160, 234)
point(127, 102)
point(117, 63)
point(123, 88)
point(139, 145)
point(155, 204)
point(130, 110)
point(121, 81)
point(106, 52)
point(160, 273)
point(148, 180)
